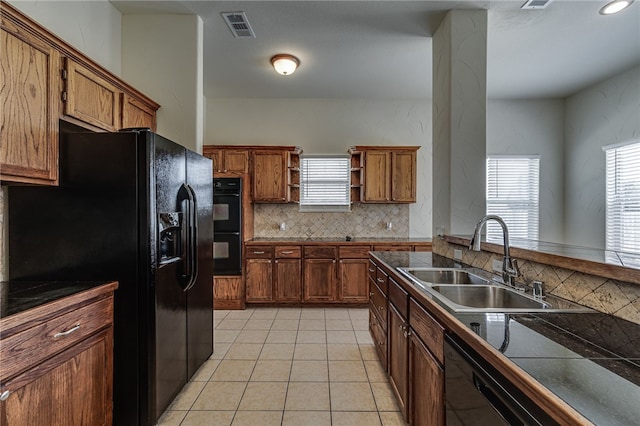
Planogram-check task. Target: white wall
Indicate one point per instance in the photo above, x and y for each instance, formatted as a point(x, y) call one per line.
point(524, 127)
point(601, 115)
point(162, 56)
point(330, 126)
point(92, 27)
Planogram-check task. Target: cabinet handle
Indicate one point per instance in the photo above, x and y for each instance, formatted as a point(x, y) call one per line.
point(371, 293)
point(380, 307)
point(380, 280)
point(334, 261)
point(65, 333)
point(276, 261)
point(371, 270)
point(258, 252)
point(225, 171)
point(4, 395)
point(407, 333)
point(287, 252)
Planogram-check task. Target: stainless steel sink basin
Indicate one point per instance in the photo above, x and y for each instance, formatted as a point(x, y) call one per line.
point(443, 276)
point(488, 297)
point(463, 291)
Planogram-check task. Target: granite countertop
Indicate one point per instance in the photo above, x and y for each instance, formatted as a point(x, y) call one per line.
point(19, 296)
point(589, 360)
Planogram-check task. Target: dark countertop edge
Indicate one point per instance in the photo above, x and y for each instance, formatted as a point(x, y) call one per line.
point(355, 241)
point(541, 395)
point(92, 289)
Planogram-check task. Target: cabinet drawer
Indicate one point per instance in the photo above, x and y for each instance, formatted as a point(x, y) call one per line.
point(382, 280)
point(288, 251)
point(427, 329)
point(372, 270)
point(399, 298)
point(320, 252)
point(354, 252)
point(378, 302)
point(259, 252)
point(23, 350)
point(393, 247)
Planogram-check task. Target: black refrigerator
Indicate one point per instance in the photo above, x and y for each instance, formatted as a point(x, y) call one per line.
point(134, 207)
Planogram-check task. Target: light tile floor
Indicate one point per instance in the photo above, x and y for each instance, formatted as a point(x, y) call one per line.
point(288, 366)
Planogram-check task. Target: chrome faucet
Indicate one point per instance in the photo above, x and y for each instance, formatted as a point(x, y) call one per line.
point(510, 269)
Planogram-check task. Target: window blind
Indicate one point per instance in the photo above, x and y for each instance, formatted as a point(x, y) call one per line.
point(513, 194)
point(325, 183)
point(623, 198)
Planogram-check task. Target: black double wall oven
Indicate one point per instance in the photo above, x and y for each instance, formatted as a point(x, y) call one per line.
point(227, 226)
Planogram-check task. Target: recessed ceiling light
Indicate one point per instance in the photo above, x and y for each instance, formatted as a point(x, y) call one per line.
point(615, 7)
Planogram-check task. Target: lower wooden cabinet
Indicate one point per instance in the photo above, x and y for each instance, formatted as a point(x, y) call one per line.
point(319, 282)
point(259, 280)
point(72, 388)
point(57, 362)
point(228, 292)
point(426, 386)
point(398, 344)
point(353, 280)
point(287, 280)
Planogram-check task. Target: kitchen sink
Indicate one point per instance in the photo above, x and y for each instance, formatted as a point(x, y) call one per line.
point(443, 276)
point(463, 291)
point(488, 297)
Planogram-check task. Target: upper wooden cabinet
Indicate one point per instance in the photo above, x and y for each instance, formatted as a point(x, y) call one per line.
point(29, 105)
point(90, 98)
point(269, 176)
point(387, 174)
point(43, 80)
point(227, 160)
point(136, 113)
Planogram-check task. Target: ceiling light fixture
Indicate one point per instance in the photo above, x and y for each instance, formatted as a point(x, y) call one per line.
point(285, 64)
point(615, 7)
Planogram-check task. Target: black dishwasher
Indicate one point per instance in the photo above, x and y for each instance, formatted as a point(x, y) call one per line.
point(477, 394)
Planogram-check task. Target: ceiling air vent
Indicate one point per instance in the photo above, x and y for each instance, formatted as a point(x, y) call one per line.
point(238, 24)
point(536, 4)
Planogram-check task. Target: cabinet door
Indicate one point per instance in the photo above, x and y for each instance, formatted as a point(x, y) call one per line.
point(136, 113)
point(216, 157)
point(72, 388)
point(353, 280)
point(403, 176)
point(398, 344)
point(376, 176)
point(259, 280)
point(235, 161)
point(319, 280)
point(228, 292)
point(269, 176)
point(287, 286)
point(29, 105)
point(426, 386)
point(91, 98)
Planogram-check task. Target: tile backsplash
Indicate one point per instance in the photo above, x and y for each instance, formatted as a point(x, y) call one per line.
point(618, 298)
point(364, 221)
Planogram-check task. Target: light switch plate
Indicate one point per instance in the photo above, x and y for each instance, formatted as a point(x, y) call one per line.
point(496, 265)
point(457, 254)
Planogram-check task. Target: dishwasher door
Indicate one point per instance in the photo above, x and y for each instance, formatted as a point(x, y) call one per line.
point(476, 394)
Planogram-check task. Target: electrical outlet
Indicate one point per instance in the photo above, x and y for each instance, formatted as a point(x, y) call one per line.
point(457, 254)
point(496, 265)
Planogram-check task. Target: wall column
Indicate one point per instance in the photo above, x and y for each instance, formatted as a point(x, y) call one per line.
point(162, 56)
point(459, 121)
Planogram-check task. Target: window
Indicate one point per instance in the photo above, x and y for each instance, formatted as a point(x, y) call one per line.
point(512, 194)
point(325, 183)
point(623, 198)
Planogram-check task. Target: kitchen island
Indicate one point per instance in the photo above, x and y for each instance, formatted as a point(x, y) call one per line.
point(578, 368)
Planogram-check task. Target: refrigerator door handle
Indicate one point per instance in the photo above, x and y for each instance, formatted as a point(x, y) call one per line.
point(193, 240)
point(185, 202)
